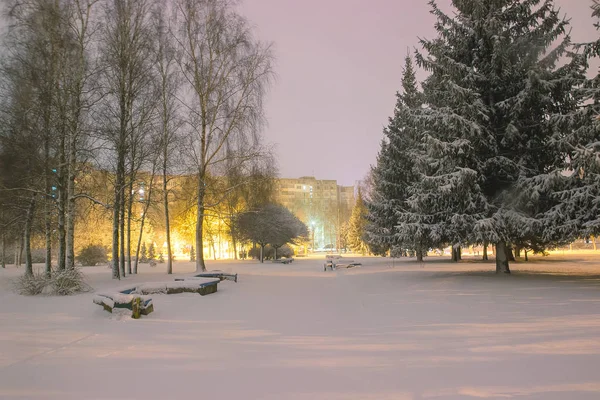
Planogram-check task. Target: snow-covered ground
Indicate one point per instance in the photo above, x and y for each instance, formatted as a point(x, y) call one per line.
point(389, 330)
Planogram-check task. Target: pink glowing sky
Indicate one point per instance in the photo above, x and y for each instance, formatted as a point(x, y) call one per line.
point(339, 66)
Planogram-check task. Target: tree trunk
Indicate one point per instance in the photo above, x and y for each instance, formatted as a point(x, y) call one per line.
point(167, 222)
point(62, 206)
point(262, 248)
point(511, 256)
point(485, 251)
point(235, 245)
point(122, 233)
point(502, 260)
point(70, 234)
point(454, 254)
point(27, 236)
point(459, 254)
point(129, 210)
point(526, 257)
point(518, 251)
point(3, 250)
point(594, 242)
point(419, 255)
point(115, 222)
point(21, 248)
point(200, 265)
point(47, 208)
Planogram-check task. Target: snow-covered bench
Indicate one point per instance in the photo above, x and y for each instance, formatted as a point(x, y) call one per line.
point(284, 260)
point(138, 304)
point(202, 286)
point(211, 274)
point(136, 299)
point(336, 261)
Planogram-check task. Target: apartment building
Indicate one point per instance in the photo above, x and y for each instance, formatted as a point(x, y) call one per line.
point(323, 205)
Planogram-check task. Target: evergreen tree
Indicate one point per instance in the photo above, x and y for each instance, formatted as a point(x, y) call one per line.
point(577, 182)
point(151, 255)
point(144, 255)
point(192, 254)
point(394, 173)
point(357, 226)
point(486, 135)
point(161, 258)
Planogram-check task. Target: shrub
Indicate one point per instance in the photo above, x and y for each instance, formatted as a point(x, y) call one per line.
point(31, 285)
point(68, 282)
point(92, 255)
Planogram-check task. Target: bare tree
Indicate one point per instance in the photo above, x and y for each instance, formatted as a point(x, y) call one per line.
point(227, 72)
point(169, 81)
point(126, 51)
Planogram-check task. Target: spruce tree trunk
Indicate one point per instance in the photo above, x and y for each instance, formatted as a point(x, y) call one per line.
point(200, 265)
point(511, 256)
point(518, 251)
point(27, 236)
point(485, 251)
point(419, 255)
point(502, 260)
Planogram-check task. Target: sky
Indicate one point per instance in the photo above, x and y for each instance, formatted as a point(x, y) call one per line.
point(339, 66)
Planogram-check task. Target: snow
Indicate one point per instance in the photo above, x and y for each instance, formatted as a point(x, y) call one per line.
point(161, 287)
point(393, 329)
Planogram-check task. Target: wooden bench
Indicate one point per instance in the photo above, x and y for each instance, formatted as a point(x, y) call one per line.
point(136, 299)
point(202, 286)
point(211, 274)
point(284, 260)
point(335, 261)
point(138, 304)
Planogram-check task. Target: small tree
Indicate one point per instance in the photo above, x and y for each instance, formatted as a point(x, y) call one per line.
point(271, 224)
point(144, 256)
point(192, 254)
point(151, 255)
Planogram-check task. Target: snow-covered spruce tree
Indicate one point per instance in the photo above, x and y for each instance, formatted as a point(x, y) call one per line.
point(577, 134)
point(394, 173)
point(486, 130)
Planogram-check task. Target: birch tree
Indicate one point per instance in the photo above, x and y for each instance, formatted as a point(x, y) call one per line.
point(226, 72)
point(127, 61)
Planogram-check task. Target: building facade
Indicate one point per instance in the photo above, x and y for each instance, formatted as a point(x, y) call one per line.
point(323, 205)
